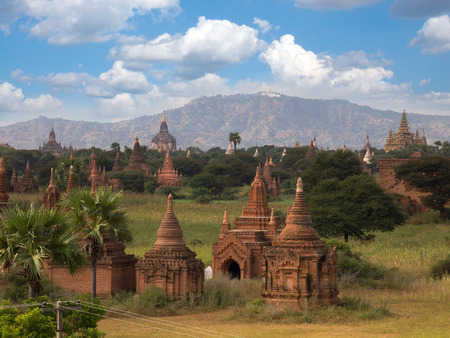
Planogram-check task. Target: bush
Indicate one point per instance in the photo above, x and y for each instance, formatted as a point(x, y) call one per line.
point(175, 191)
point(353, 269)
point(203, 199)
point(441, 268)
point(222, 292)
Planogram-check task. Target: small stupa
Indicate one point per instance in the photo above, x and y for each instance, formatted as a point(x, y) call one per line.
point(71, 182)
point(51, 195)
point(230, 150)
point(168, 176)
point(170, 264)
point(118, 166)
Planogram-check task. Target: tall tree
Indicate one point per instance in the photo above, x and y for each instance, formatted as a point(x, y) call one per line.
point(428, 174)
point(97, 215)
point(354, 207)
point(339, 164)
point(236, 139)
point(28, 237)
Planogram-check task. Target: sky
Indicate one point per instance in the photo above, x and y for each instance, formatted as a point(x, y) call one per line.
point(111, 60)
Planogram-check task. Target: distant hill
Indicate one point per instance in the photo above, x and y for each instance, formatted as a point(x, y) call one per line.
point(263, 118)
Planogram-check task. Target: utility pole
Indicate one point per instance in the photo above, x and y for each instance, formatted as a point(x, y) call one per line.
point(59, 315)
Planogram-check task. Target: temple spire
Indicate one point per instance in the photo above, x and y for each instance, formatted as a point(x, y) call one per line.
point(164, 116)
point(298, 222)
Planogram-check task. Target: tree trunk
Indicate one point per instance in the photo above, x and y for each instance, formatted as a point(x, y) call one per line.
point(346, 238)
point(31, 292)
point(94, 278)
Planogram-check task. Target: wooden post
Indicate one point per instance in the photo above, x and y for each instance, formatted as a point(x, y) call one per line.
point(59, 319)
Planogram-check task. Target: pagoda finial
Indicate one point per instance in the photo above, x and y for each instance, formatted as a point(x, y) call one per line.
point(225, 217)
point(136, 139)
point(52, 179)
point(299, 185)
point(164, 116)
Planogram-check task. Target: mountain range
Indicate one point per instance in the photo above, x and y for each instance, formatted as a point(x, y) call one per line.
point(262, 118)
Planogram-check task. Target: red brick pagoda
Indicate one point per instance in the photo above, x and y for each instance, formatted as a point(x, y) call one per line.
point(168, 176)
point(170, 264)
point(239, 250)
point(298, 269)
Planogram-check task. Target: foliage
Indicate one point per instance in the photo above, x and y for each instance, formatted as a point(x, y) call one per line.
point(135, 181)
point(235, 138)
point(352, 268)
point(188, 166)
point(94, 216)
point(339, 165)
point(36, 323)
point(353, 207)
point(28, 237)
point(441, 268)
point(429, 174)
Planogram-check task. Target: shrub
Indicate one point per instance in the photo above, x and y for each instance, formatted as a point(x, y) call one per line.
point(352, 268)
point(175, 191)
point(441, 268)
point(203, 199)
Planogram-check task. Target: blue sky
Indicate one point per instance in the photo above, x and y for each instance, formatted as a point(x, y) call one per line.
point(109, 60)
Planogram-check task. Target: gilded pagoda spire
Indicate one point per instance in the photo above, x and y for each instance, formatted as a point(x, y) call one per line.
point(164, 116)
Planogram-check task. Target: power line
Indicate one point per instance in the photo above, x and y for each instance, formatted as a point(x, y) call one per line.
point(161, 321)
point(135, 323)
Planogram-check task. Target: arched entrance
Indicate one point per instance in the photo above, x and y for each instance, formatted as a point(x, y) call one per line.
point(234, 270)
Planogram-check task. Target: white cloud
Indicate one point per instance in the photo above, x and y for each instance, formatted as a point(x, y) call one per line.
point(333, 4)
point(206, 85)
point(66, 81)
point(303, 73)
point(10, 10)
point(19, 75)
point(203, 49)
point(359, 59)
point(264, 25)
point(420, 8)
point(115, 81)
point(424, 82)
point(434, 37)
point(12, 100)
point(74, 22)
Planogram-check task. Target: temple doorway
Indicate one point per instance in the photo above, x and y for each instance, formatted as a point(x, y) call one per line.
point(234, 270)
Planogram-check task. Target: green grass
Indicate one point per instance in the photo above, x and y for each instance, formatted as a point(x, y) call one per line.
point(200, 222)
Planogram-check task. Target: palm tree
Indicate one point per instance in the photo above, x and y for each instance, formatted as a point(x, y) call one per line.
point(30, 236)
point(97, 215)
point(236, 139)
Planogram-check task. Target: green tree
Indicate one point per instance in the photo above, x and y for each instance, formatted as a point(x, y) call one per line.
point(354, 207)
point(95, 216)
point(428, 174)
point(28, 237)
point(235, 138)
point(339, 164)
point(115, 147)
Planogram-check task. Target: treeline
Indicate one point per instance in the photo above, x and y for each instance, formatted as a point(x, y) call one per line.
point(208, 173)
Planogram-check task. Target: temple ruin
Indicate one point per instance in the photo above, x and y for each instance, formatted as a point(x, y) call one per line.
point(170, 264)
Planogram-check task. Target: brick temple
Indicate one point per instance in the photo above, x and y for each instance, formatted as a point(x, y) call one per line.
point(26, 184)
point(273, 185)
point(412, 197)
point(163, 140)
point(51, 195)
point(298, 269)
point(170, 264)
point(239, 250)
point(137, 160)
point(168, 176)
